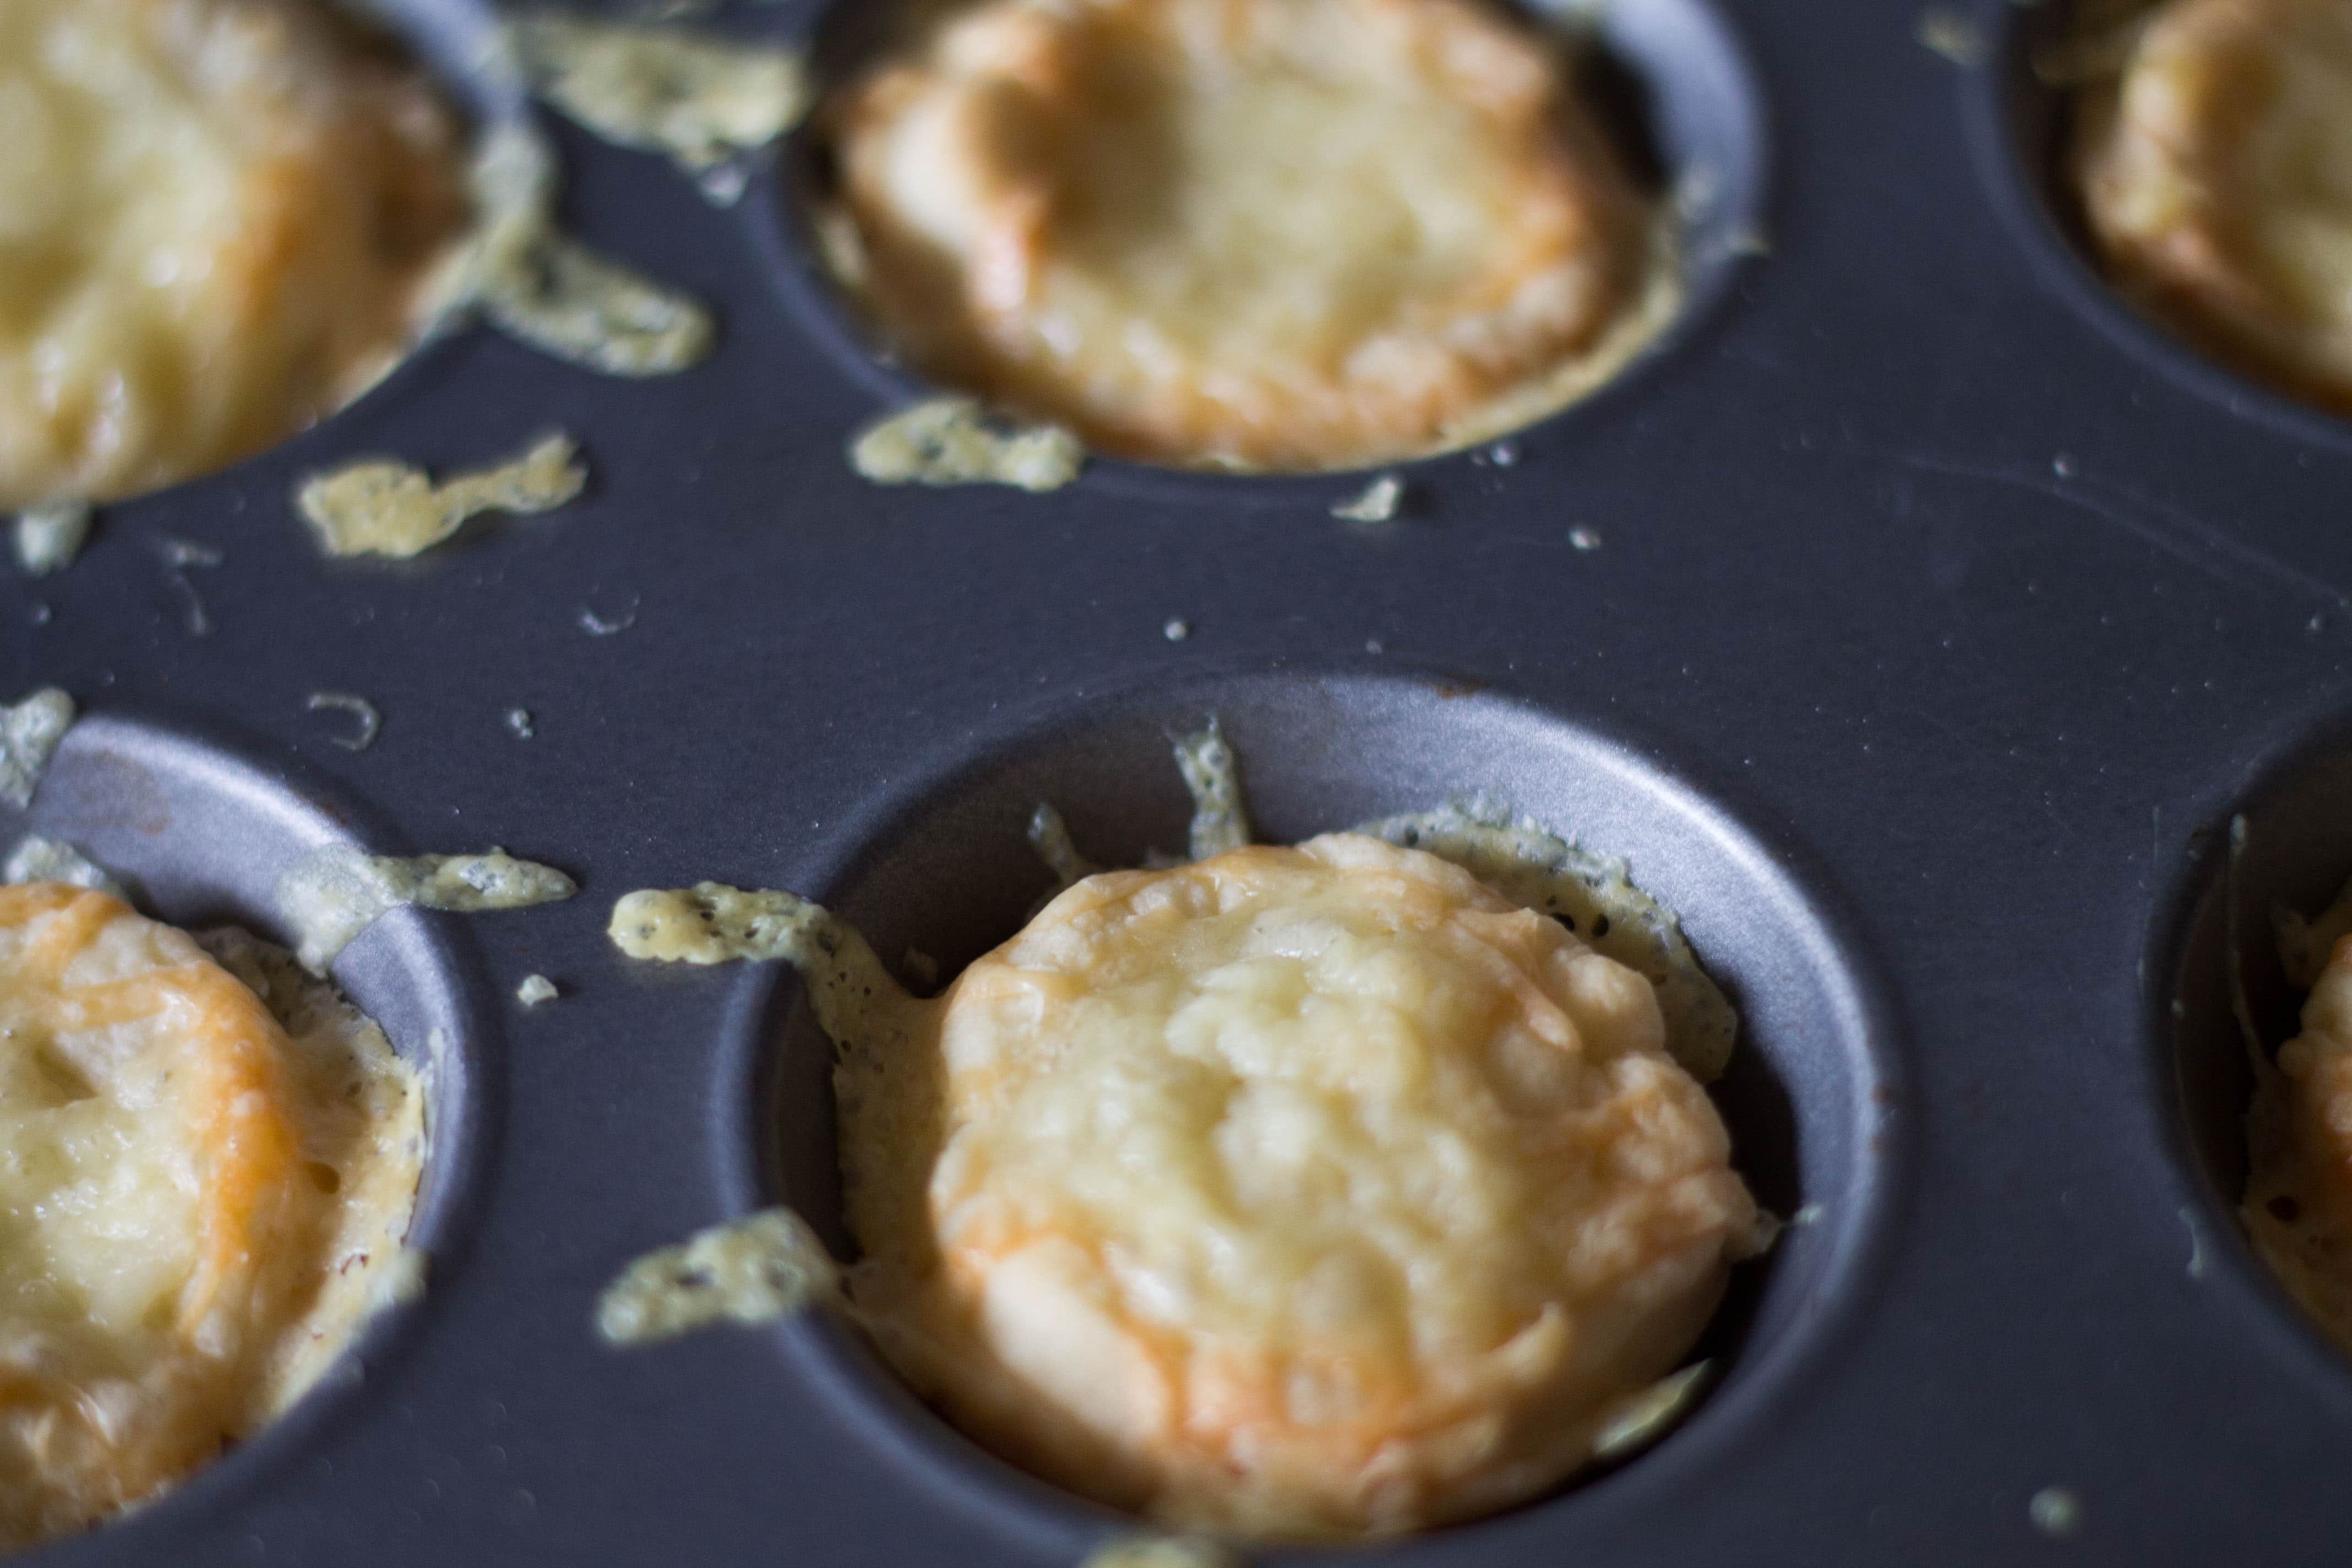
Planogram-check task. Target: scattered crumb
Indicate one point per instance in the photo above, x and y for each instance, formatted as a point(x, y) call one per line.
point(948, 441)
point(1049, 836)
point(2056, 1511)
point(713, 923)
point(179, 554)
point(2196, 1245)
point(1503, 453)
point(47, 538)
point(695, 96)
point(1160, 1551)
point(2063, 464)
point(536, 989)
point(754, 1270)
point(331, 895)
point(1211, 772)
point(1950, 35)
point(597, 626)
point(521, 724)
point(37, 859)
point(369, 719)
point(1584, 538)
point(1809, 1214)
point(544, 288)
point(1644, 1416)
point(1177, 630)
point(1378, 502)
point(30, 733)
point(1374, 645)
point(386, 508)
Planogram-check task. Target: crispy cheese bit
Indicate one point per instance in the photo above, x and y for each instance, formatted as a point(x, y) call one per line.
point(199, 1182)
point(1646, 1417)
point(331, 895)
point(693, 96)
point(366, 717)
point(548, 290)
point(535, 990)
point(37, 859)
point(948, 441)
point(1220, 1188)
point(1161, 1552)
point(30, 733)
point(1049, 835)
point(1594, 895)
point(48, 538)
point(1213, 776)
point(390, 509)
point(754, 1270)
point(1376, 503)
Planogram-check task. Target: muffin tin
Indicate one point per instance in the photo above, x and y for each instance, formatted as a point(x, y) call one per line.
point(1914, 619)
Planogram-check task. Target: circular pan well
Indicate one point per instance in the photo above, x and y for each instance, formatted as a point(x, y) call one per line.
point(2021, 125)
point(947, 870)
point(1669, 81)
point(200, 836)
point(456, 43)
point(2296, 855)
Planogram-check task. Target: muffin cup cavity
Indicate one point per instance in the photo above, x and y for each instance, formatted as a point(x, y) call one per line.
point(1668, 85)
point(944, 873)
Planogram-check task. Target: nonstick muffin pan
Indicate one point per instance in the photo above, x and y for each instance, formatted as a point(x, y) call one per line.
point(1915, 619)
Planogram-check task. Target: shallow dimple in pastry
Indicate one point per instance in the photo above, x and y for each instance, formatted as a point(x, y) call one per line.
point(2217, 178)
point(1282, 234)
point(217, 223)
point(201, 1195)
point(1304, 1192)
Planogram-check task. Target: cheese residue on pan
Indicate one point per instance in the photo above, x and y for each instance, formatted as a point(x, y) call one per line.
point(210, 1163)
point(1161, 1552)
point(386, 508)
point(220, 221)
point(697, 98)
point(367, 718)
point(2298, 1204)
point(535, 990)
point(1049, 835)
point(1307, 1188)
point(1376, 503)
point(949, 441)
point(544, 288)
point(47, 538)
point(757, 1270)
point(30, 733)
point(2210, 159)
point(332, 894)
point(40, 858)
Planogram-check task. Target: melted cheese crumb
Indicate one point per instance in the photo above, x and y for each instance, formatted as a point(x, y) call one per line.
point(1161, 1552)
point(544, 288)
point(699, 99)
point(536, 990)
point(331, 895)
point(947, 441)
point(1595, 896)
point(1377, 502)
point(1213, 777)
point(390, 509)
point(39, 858)
point(754, 1270)
point(30, 733)
point(48, 538)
